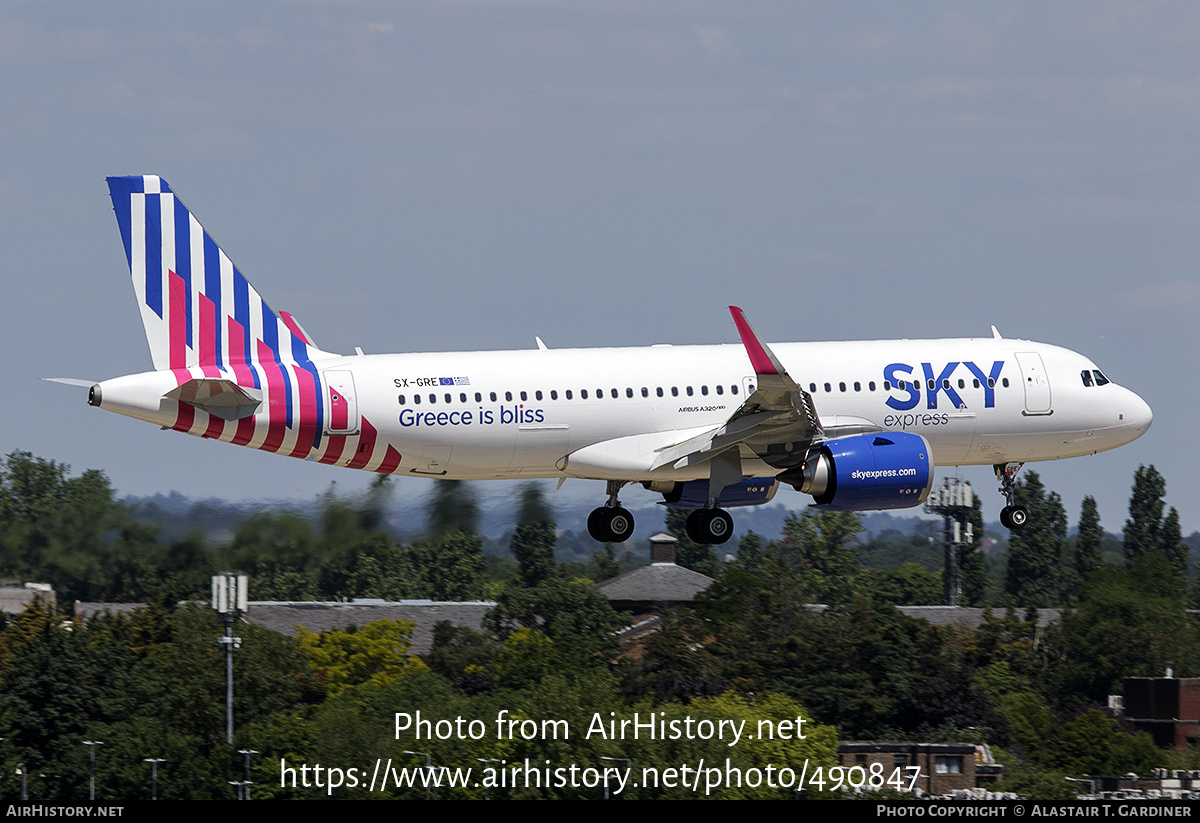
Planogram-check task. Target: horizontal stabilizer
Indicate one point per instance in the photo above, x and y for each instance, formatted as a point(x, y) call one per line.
point(71, 381)
point(221, 398)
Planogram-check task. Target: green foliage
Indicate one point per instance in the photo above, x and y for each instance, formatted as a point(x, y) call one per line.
point(1088, 540)
point(453, 508)
point(1129, 622)
point(532, 543)
point(816, 546)
point(1147, 530)
point(1035, 551)
point(448, 567)
point(909, 584)
point(1093, 743)
point(374, 655)
point(571, 613)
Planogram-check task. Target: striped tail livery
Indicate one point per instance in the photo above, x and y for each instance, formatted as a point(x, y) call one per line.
point(227, 367)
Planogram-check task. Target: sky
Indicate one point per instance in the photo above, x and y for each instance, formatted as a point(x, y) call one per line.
point(462, 175)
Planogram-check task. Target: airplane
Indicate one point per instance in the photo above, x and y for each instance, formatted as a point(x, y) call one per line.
point(707, 427)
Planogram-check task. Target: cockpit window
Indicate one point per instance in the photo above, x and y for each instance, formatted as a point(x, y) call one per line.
point(1101, 380)
point(1087, 378)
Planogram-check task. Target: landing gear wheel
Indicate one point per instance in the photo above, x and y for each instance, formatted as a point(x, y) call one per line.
point(693, 528)
point(719, 526)
point(1013, 517)
point(709, 526)
point(620, 524)
point(610, 524)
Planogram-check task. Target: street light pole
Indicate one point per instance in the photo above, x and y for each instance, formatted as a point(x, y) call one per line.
point(92, 744)
point(154, 761)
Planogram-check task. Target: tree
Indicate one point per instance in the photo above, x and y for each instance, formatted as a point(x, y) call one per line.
point(1145, 513)
point(453, 508)
point(817, 546)
point(1147, 530)
point(1088, 539)
point(532, 543)
point(374, 654)
point(1035, 551)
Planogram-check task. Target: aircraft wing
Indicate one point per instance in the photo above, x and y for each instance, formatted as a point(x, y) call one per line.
point(778, 421)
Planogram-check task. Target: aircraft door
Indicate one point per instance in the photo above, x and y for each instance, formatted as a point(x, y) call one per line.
point(342, 414)
point(1036, 382)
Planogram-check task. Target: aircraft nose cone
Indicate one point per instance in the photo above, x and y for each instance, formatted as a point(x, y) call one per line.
point(1137, 415)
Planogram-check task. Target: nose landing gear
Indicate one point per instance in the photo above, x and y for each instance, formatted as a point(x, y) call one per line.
point(1012, 516)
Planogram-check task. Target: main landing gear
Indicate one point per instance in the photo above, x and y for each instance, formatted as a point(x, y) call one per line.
point(712, 526)
point(610, 523)
point(1012, 516)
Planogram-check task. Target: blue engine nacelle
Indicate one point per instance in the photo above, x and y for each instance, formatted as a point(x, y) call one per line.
point(890, 470)
point(694, 494)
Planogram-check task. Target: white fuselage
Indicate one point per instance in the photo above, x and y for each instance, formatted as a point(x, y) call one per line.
point(608, 413)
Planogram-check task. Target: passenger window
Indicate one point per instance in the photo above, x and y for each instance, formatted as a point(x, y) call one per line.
point(930, 384)
point(433, 398)
point(674, 391)
point(462, 397)
point(401, 400)
point(857, 386)
point(871, 385)
point(1087, 378)
point(887, 385)
point(945, 384)
point(733, 389)
point(828, 387)
point(449, 399)
point(645, 392)
point(478, 397)
point(812, 388)
point(554, 394)
point(689, 391)
point(992, 382)
point(508, 396)
point(615, 394)
point(537, 394)
point(841, 386)
point(704, 390)
point(1004, 381)
point(962, 384)
point(524, 396)
point(568, 394)
point(720, 389)
point(599, 394)
point(493, 396)
point(417, 399)
point(659, 391)
point(583, 394)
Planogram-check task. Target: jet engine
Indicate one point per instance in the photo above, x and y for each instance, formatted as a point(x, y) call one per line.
point(890, 470)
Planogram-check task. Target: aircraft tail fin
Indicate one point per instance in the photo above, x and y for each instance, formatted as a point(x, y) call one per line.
point(197, 307)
